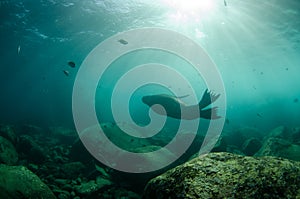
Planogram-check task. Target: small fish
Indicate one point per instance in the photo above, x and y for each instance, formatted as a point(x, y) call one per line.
point(19, 49)
point(122, 41)
point(259, 115)
point(66, 72)
point(296, 100)
point(227, 121)
point(71, 64)
point(225, 3)
point(286, 69)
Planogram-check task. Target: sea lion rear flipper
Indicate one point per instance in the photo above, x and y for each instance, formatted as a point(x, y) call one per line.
point(207, 99)
point(210, 113)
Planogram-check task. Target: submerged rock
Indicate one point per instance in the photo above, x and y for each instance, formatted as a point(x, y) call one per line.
point(78, 152)
point(72, 170)
point(64, 135)
point(296, 135)
point(117, 192)
point(8, 132)
point(17, 182)
point(8, 154)
point(222, 143)
point(243, 141)
point(225, 175)
point(239, 137)
point(279, 132)
point(251, 146)
point(91, 187)
point(31, 130)
point(32, 150)
point(280, 148)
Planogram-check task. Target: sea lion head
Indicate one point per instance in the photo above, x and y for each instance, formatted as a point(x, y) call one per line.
point(148, 100)
point(153, 101)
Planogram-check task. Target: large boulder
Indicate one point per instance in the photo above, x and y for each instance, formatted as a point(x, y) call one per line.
point(8, 154)
point(17, 182)
point(225, 175)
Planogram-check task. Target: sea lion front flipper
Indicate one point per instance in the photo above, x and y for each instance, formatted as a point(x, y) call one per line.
point(183, 96)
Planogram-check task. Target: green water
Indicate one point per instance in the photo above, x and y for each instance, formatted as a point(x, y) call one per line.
point(254, 44)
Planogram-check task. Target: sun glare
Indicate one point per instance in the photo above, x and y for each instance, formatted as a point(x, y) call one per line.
point(189, 10)
point(191, 5)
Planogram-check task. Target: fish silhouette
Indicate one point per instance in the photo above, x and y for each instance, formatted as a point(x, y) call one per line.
point(71, 64)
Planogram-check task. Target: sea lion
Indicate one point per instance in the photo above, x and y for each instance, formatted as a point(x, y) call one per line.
point(172, 106)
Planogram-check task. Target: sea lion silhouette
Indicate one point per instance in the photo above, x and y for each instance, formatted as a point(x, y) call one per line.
point(172, 106)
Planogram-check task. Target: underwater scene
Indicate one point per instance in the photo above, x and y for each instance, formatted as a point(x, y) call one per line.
point(149, 99)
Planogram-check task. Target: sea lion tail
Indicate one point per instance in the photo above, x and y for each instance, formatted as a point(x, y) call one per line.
point(208, 98)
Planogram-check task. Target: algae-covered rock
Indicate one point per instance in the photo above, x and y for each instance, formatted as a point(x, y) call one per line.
point(8, 154)
point(17, 182)
point(31, 149)
point(224, 175)
point(91, 187)
point(118, 192)
point(61, 194)
point(8, 132)
point(280, 148)
point(72, 170)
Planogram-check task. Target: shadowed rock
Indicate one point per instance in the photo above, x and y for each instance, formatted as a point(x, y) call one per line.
point(17, 182)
